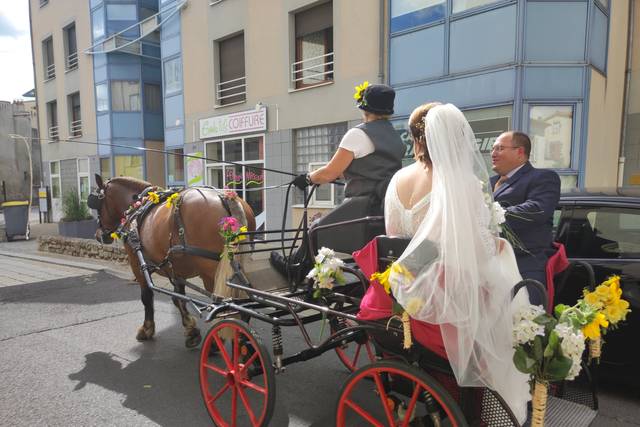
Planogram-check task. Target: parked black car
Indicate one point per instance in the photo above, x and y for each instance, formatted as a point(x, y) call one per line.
point(603, 229)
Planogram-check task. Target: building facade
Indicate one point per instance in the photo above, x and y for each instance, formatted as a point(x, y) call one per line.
point(553, 69)
point(15, 152)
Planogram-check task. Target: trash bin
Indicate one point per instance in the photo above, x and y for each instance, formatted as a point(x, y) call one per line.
point(16, 219)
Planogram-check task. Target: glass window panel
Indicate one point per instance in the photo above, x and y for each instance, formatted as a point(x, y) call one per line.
point(55, 187)
point(125, 95)
point(233, 150)
point(254, 178)
point(105, 167)
point(83, 165)
point(487, 125)
point(97, 19)
point(128, 166)
point(214, 177)
point(102, 97)
point(84, 187)
point(152, 98)
point(55, 168)
point(568, 182)
point(462, 5)
point(121, 12)
point(172, 76)
point(253, 148)
point(175, 165)
point(213, 151)
point(551, 131)
point(411, 13)
point(233, 177)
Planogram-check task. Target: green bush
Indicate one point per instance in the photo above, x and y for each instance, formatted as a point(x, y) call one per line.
point(74, 209)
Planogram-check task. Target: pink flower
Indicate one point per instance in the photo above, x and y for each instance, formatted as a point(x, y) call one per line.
point(137, 204)
point(229, 223)
point(123, 220)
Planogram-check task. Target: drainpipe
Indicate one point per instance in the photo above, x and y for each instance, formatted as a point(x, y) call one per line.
point(383, 37)
point(627, 87)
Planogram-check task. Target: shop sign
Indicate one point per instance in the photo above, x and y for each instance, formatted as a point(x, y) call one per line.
point(234, 123)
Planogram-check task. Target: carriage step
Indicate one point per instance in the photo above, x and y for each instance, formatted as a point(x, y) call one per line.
point(562, 413)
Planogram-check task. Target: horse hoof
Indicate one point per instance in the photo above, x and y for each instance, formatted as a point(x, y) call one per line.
point(194, 339)
point(146, 331)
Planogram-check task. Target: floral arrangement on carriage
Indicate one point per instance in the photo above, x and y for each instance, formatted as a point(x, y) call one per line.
point(232, 232)
point(326, 272)
point(550, 348)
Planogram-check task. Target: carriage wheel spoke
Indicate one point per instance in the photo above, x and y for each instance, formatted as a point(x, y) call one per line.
point(369, 351)
point(364, 414)
point(218, 417)
point(355, 357)
point(412, 406)
point(223, 352)
point(247, 406)
point(234, 405)
point(219, 393)
point(249, 362)
point(215, 368)
point(383, 397)
point(236, 349)
point(255, 387)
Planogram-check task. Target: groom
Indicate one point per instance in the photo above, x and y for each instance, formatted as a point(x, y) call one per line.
point(529, 196)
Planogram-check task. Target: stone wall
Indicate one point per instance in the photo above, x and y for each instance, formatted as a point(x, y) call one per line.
point(82, 248)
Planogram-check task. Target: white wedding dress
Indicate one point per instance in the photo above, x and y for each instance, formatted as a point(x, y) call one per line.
point(400, 221)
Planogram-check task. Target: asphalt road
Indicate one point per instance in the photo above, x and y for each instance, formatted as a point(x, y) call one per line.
point(68, 357)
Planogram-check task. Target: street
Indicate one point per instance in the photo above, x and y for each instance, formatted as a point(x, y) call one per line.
point(69, 357)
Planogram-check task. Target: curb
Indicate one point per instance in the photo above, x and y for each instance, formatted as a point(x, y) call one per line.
point(62, 262)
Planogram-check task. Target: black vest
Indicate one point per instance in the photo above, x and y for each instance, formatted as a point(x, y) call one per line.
point(370, 175)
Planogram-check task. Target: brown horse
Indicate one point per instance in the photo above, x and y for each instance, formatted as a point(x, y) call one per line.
point(200, 210)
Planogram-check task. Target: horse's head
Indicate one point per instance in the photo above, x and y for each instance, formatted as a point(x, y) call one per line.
point(111, 200)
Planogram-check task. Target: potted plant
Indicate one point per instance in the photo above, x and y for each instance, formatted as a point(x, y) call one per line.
point(77, 221)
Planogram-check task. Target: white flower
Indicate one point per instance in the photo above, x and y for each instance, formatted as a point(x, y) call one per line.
point(528, 312)
point(498, 213)
point(326, 270)
point(572, 346)
point(524, 327)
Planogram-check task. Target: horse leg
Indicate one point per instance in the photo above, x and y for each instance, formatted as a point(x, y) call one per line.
point(148, 328)
point(188, 321)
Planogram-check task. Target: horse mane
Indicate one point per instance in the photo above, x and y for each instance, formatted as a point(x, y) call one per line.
point(130, 182)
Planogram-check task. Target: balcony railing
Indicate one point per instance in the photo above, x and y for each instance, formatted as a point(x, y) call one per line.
point(231, 91)
point(50, 72)
point(43, 2)
point(75, 130)
point(311, 71)
point(72, 61)
point(53, 133)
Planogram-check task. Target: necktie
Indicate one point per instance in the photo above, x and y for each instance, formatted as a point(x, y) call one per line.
point(499, 182)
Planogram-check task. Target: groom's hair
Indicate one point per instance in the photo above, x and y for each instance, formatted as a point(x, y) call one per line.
point(521, 139)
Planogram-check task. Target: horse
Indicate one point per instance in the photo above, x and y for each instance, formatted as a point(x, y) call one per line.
point(200, 210)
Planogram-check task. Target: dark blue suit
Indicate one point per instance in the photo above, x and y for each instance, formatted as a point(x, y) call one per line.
point(530, 197)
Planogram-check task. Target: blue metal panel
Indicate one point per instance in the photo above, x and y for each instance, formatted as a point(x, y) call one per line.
point(483, 40)
point(127, 125)
point(409, 60)
point(99, 60)
point(174, 137)
point(170, 46)
point(99, 74)
point(129, 143)
point(173, 112)
point(153, 126)
point(598, 41)
point(151, 50)
point(124, 72)
point(104, 150)
point(418, 17)
point(555, 31)
point(95, 3)
point(482, 89)
point(152, 73)
point(103, 122)
point(553, 83)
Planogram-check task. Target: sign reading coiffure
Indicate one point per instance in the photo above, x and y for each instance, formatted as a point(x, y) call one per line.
point(230, 124)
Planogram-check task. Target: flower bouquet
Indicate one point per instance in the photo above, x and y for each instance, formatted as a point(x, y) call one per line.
point(326, 272)
point(231, 231)
point(611, 308)
point(549, 348)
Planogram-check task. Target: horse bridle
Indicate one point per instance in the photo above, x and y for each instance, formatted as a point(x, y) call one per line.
point(95, 201)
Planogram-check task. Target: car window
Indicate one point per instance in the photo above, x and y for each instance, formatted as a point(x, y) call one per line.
point(604, 232)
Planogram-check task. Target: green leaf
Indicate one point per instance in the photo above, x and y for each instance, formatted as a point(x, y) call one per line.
point(558, 368)
point(552, 346)
point(560, 308)
point(538, 348)
point(523, 362)
point(397, 309)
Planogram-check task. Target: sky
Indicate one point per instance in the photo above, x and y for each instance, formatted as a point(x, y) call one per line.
point(16, 67)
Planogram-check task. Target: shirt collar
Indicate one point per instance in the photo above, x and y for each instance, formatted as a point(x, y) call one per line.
point(513, 171)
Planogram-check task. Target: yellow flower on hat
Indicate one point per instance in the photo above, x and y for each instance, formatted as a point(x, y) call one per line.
point(360, 90)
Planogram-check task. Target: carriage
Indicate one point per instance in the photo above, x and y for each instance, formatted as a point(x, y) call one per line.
point(388, 385)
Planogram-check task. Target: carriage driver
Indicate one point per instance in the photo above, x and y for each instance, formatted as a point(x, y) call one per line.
point(368, 156)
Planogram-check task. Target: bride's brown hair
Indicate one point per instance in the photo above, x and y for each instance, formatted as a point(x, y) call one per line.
point(417, 129)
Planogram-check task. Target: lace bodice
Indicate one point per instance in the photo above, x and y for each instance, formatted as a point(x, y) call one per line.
point(400, 221)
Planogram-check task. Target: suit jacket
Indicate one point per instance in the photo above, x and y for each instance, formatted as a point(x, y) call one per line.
point(530, 197)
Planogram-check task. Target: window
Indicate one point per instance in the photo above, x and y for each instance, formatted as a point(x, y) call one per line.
point(232, 86)
point(604, 232)
point(97, 21)
point(125, 95)
point(52, 118)
point(102, 97)
point(406, 14)
point(316, 145)
point(242, 178)
point(54, 172)
point(105, 167)
point(324, 194)
point(75, 120)
point(70, 47)
point(462, 5)
point(314, 46)
point(48, 61)
point(487, 125)
point(121, 12)
point(128, 166)
point(172, 76)
point(83, 179)
point(551, 132)
point(152, 98)
point(175, 165)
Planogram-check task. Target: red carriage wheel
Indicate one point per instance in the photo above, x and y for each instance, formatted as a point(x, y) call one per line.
point(236, 376)
point(357, 353)
point(394, 394)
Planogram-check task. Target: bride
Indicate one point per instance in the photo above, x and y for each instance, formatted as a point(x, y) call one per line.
point(456, 274)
